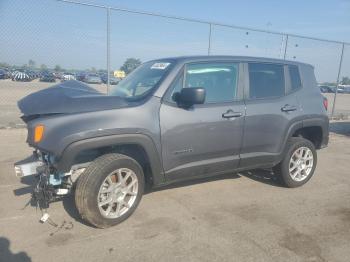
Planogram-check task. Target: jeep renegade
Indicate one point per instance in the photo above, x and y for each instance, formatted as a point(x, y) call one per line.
point(169, 120)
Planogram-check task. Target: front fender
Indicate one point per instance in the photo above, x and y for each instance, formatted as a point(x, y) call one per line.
point(66, 160)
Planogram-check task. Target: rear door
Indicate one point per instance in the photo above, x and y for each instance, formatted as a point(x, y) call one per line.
point(271, 108)
point(204, 139)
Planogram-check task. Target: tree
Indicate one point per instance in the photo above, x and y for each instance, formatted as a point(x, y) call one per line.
point(130, 64)
point(345, 80)
point(58, 68)
point(31, 63)
point(4, 65)
point(102, 71)
point(43, 67)
point(329, 83)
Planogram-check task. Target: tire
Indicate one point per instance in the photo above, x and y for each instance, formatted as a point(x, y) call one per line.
point(287, 177)
point(95, 186)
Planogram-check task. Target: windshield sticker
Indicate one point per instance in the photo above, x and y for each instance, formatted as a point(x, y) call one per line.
point(160, 66)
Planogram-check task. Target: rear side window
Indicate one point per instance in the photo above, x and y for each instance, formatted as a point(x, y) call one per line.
point(294, 77)
point(266, 80)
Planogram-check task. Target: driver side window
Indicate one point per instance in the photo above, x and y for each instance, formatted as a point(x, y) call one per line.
point(219, 80)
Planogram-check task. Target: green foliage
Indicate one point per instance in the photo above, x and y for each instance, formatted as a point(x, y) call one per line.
point(329, 83)
point(43, 67)
point(58, 68)
point(4, 65)
point(345, 80)
point(130, 64)
point(31, 64)
point(102, 71)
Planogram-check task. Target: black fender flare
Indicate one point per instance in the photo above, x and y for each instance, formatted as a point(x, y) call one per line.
point(291, 130)
point(69, 154)
point(318, 121)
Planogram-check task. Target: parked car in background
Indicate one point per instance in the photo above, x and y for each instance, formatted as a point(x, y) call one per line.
point(33, 74)
point(68, 76)
point(81, 76)
point(341, 90)
point(171, 120)
point(47, 77)
point(93, 79)
point(4, 74)
point(327, 89)
point(58, 75)
point(345, 88)
point(21, 75)
point(112, 80)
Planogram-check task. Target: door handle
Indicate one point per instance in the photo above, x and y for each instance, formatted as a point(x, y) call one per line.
point(288, 108)
point(231, 114)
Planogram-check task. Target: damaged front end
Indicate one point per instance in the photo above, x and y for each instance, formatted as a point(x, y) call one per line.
point(50, 184)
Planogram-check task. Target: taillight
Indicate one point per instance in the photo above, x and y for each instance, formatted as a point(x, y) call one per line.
point(325, 103)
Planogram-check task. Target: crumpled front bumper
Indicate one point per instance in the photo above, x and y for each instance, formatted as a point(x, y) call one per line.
point(48, 185)
point(28, 166)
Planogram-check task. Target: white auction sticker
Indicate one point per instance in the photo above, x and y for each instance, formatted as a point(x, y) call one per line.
point(161, 66)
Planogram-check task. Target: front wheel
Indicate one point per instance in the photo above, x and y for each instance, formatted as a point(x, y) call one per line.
point(298, 164)
point(109, 190)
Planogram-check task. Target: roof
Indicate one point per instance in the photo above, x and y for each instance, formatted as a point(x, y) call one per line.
point(187, 59)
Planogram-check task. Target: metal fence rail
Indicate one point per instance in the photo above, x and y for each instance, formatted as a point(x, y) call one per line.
point(285, 36)
point(331, 58)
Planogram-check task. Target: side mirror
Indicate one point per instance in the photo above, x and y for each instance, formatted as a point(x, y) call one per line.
point(188, 97)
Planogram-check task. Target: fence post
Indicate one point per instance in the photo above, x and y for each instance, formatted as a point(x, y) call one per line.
point(108, 46)
point(285, 48)
point(338, 79)
point(209, 40)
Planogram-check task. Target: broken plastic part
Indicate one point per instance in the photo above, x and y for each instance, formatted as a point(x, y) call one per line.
point(44, 218)
point(62, 191)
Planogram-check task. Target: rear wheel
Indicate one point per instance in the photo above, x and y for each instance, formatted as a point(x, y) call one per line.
point(298, 164)
point(109, 190)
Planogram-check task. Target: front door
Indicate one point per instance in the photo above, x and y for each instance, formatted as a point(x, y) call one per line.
point(204, 139)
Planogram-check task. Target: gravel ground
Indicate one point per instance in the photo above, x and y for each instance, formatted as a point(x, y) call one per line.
point(236, 217)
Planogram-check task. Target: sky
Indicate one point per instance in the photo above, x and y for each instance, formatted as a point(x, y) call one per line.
point(51, 32)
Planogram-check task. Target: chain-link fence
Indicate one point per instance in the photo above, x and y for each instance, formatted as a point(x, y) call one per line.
point(58, 40)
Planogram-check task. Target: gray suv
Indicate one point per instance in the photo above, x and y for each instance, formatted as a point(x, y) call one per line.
point(170, 120)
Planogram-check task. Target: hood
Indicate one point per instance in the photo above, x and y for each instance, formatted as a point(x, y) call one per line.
point(67, 98)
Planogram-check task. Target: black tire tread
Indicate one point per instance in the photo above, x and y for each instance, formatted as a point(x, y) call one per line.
point(86, 182)
point(280, 168)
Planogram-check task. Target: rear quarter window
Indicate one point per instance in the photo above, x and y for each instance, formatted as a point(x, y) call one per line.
point(295, 80)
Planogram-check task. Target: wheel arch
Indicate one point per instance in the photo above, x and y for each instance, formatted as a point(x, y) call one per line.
point(315, 130)
point(138, 146)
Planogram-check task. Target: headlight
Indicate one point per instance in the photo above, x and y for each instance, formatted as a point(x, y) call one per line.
point(38, 133)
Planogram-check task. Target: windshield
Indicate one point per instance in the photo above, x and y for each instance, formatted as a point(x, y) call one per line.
point(142, 80)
